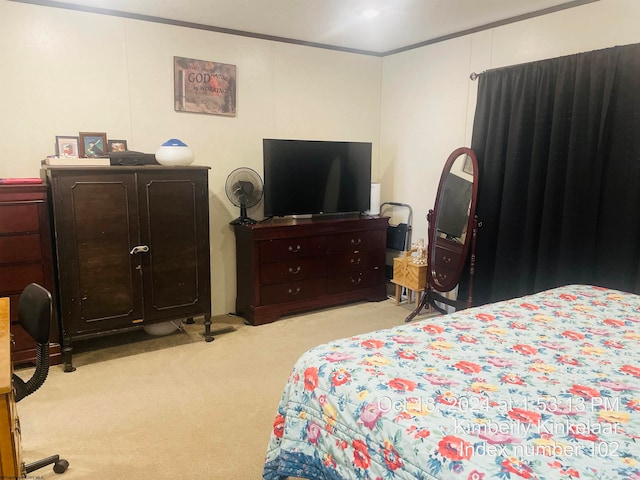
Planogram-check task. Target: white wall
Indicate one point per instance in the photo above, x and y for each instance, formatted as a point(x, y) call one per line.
point(428, 100)
point(64, 72)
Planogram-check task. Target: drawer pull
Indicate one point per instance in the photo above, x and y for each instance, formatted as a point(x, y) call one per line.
point(446, 259)
point(356, 241)
point(295, 271)
point(139, 249)
point(356, 261)
point(356, 281)
point(295, 249)
point(294, 292)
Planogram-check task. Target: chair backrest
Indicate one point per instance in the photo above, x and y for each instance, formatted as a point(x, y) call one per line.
point(34, 312)
point(35, 308)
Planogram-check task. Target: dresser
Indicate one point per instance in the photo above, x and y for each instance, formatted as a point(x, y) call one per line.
point(10, 463)
point(132, 248)
point(292, 265)
point(26, 257)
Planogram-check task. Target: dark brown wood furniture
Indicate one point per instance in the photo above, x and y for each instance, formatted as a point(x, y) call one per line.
point(453, 227)
point(292, 265)
point(132, 247)
point(26, 257)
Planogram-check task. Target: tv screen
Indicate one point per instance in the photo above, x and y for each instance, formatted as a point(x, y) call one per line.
point(303, 177)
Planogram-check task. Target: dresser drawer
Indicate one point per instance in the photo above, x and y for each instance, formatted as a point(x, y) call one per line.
point(347, 282)
point(20, 248)
point(19, 218)
point(355, 261)
point(14, 300)
point(22, 340)
point(359, 240)
point(447, 255)
point(292, 270)
point(13, 278)
point(291, 248)
point(10, 451)
point(290, 292)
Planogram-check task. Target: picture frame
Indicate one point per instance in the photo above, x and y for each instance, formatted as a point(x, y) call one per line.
point(467, 167)
point(116, 146)
point(201, 86)
point(67, 146)
point(92, 144)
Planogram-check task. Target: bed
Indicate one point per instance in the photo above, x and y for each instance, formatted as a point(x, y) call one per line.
point(545, 386)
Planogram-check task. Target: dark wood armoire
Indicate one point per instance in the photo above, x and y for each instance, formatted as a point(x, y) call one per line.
point(132, 248)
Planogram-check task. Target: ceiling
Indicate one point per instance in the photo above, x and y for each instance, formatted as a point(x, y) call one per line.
point(340, 24)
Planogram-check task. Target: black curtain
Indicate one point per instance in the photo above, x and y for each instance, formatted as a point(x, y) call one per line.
point(558, 146)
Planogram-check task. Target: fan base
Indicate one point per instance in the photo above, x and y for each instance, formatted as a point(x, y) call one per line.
point(243, 221)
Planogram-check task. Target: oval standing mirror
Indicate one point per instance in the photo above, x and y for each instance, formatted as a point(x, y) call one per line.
point(453, 217)
point(452, 232)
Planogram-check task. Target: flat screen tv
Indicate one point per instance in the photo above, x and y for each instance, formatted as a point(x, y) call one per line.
point(311, 177)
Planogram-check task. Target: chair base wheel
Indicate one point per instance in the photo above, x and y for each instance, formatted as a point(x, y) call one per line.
point(61, 466)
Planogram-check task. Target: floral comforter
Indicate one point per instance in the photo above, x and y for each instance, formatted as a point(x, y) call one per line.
point(540, 387)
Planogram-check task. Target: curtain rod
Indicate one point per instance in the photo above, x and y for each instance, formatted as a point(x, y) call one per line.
point(474, 76)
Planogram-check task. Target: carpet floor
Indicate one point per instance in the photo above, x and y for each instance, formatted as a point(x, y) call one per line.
point(175, 407)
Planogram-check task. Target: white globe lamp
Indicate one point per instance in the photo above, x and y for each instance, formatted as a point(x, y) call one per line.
point(174, 152)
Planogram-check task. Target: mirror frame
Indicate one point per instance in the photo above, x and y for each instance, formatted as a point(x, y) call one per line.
point(451, 282)
point(433, 294)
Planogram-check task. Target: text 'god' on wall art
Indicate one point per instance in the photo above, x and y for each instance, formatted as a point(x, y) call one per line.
point(204, 87)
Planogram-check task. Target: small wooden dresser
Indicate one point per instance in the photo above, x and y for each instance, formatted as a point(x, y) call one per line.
point(10, 463)
point(26, 257)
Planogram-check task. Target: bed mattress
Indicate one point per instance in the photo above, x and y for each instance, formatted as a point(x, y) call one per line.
point(545, 386)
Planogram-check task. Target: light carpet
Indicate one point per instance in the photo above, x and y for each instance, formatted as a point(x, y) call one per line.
point(176, 407)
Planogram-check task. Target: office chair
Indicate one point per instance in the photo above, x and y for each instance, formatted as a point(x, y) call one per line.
point(35, 307)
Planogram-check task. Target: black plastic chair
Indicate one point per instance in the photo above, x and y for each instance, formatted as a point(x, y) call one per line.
point(35, 308)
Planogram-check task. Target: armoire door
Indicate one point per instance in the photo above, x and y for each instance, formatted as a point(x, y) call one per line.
point(96, 227)
point(174, 224)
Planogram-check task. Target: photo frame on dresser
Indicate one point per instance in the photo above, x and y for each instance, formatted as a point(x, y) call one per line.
point(66, 146)
point(116, 146)
point(93, 144)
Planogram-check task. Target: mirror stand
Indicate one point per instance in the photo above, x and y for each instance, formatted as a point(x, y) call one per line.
point(430, 298)
point(452, 231)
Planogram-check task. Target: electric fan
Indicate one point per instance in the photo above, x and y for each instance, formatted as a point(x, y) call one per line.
point(244, 190)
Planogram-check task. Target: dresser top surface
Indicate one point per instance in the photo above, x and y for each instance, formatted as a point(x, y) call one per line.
point(289, 221)
point(123, 168)
point(288, 227)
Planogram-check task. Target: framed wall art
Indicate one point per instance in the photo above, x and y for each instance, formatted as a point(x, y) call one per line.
point(93, 144)
point(467, 167)
point(117, 146)
point(204, 87)
point(67, 146)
